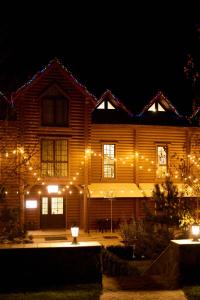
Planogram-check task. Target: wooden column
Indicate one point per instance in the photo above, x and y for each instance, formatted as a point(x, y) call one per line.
point(87, 125)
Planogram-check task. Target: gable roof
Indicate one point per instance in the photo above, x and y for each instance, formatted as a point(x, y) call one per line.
point(109, 96)
point(166, 115)
point(120, 114)
point(163, 101)
point(195, 117)
point(53, 63)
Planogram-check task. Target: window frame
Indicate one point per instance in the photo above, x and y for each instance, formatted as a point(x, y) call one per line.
point(55, 112)
point(158, 165)
point(54, 161)
point(114, 161)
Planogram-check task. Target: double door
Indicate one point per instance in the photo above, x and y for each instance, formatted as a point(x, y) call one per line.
point(52, 213)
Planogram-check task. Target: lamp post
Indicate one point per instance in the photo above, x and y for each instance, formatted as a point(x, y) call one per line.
point(195, 231)
point(74, 233)
point(110, 196)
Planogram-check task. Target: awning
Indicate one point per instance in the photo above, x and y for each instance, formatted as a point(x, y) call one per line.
point(147, 189)
point(114, 190)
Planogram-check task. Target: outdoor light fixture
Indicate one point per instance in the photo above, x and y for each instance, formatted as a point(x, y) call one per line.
point(195, 231)
point(74, 233)
point(52, 189)
point(31, 203)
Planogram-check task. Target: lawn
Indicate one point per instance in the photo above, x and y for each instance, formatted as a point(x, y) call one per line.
point(76, 292)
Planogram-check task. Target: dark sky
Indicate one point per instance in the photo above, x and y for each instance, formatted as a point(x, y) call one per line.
point(134, 51)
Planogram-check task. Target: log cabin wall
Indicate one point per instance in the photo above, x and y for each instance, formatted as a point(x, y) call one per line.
point(8, 161)
point(85, 142)
point(147, 138)
point(29, 117)
point(123, 137)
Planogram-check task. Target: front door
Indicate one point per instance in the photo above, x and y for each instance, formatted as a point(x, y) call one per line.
point(52, 212)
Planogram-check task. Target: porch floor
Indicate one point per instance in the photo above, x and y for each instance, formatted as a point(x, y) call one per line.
point(105, 238)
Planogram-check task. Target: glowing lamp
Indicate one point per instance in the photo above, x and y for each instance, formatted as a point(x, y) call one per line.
point(74, 233)
point(31, 203)
point(195, 231)
point(52, 189)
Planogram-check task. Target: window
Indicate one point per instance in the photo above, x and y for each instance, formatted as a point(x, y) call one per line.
point(162, 161)
point(156, 107)
point(54, 157)
point(105, 105)
point(109, 161)
point(44, 206)
point(54, 111)
point(57, 205)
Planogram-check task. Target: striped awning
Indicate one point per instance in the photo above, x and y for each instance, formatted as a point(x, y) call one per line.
point(114, 190)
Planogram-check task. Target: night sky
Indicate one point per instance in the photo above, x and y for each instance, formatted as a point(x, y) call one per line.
point(133, 51)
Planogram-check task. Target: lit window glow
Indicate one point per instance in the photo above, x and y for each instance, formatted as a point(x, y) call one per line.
point(105, 105)
point(156, 107)
point(162, 153)
point(31, 203)
point(109, 160)
point(52, 189)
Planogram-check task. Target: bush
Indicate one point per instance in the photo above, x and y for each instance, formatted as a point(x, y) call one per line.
point(114, 266)
point(123, 252)
point(11, 229)
point(145, 243)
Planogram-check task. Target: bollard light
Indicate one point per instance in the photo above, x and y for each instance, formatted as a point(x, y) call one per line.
point(195, 231)
point(74, 233)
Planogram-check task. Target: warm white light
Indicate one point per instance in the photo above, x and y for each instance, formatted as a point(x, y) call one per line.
point(31, 203)
point(52, 189)
point(195, 231)
point(75, 231)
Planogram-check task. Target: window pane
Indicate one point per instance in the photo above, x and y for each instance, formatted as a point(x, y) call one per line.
point(48, 112)
point(110, 106)
point(152, 107)
point(60, 169)
point(109, 160)
point(61, 112)
point(47, 169)
point(161, 161)
point(162, 155)
point(54, 158)
point(44, 206)
point(61, 150)
point(47, 150)
point(101, 106)
point(57, 205)
point(109, 171)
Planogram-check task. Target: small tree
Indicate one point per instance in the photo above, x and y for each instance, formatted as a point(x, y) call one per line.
point(170, 205)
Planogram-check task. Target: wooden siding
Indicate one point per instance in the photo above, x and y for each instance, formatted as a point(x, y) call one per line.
point(123, 137)
point(31, 132)
point(82, 135)
point(147, 137)
point(123, 209)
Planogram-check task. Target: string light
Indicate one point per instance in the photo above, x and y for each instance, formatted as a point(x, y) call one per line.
point(193, 159)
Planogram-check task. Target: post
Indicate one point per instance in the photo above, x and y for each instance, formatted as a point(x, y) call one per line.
point(21, 201)
point(111, 215)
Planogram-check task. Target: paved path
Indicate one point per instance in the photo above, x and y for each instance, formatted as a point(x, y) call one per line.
point(137, 289)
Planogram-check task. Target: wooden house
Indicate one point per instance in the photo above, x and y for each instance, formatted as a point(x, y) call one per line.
point(67, 157)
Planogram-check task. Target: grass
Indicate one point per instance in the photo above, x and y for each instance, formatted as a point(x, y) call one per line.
point(76, 292)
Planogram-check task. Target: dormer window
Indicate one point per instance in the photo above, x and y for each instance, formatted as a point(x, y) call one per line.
point(105, 105)
point(156, 107)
